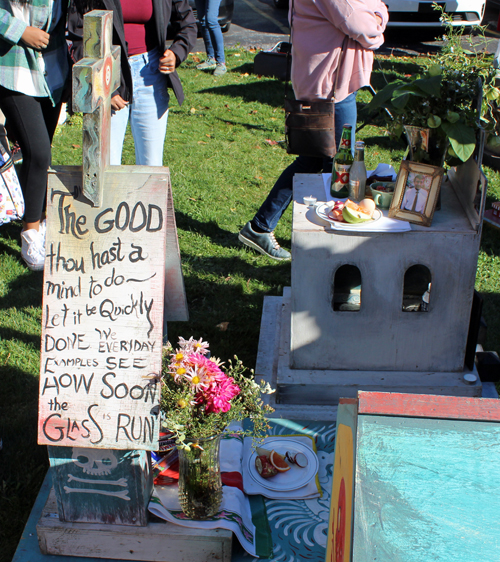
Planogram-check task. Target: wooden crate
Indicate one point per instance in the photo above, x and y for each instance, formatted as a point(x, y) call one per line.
point(158, 542)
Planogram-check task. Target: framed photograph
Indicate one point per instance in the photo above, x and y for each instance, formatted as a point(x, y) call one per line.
point(416, 192)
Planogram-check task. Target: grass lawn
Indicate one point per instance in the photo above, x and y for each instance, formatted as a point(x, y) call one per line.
point(224, 150)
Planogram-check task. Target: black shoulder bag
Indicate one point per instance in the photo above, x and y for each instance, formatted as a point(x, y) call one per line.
point(310, 125)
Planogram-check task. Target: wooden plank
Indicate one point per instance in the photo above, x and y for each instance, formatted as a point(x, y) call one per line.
point(103, 313)
point(468, 181)
point(338, 545)
point(429, 406)
point(158, 542)
point(426, 489)
point(265, 366)
point(101, 486)
point(176, 308)
point(304, 412)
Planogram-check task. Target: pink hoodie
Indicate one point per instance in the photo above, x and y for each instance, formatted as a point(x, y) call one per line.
point(318, 30)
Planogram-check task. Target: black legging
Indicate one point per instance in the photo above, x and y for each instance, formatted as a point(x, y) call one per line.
point(32, 123)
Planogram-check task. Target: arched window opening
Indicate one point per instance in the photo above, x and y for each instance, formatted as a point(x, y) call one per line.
point(347, 289)
point(417, 289)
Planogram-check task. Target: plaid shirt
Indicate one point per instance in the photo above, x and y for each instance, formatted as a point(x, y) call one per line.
point(23, 69)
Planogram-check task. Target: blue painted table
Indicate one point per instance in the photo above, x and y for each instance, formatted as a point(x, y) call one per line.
point(299, 527)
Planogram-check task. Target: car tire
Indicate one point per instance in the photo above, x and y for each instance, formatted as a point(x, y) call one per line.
point(225, 28)
point(280, 4)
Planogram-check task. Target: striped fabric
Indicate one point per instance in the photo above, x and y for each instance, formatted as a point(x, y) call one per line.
point(25, 70)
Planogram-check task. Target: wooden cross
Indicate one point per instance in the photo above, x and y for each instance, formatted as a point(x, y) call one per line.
point(95, 78)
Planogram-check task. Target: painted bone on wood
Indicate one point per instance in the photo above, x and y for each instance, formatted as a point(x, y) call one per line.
point(95, 78)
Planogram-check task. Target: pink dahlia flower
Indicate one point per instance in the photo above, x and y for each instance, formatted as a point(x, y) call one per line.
point(208, 368)
point(218, 395)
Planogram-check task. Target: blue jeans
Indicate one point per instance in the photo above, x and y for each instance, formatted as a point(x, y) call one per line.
point(207, 11)
point(148, 113)
point(281, 194)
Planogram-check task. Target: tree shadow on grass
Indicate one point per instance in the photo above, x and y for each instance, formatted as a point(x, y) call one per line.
point(210, 229)
point(385, 71)
point(23, 463)
point(248, 125)
point(23, 292)
point(228, 290)
point(245, 68)
point(33, 340)
point(490, 238)
point(259, 91)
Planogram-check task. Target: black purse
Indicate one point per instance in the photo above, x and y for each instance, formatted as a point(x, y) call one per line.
point(310, 128)
point(310, 125)
point(275, 63)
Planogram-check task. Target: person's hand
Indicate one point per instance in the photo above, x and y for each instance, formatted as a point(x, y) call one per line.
point(35, 38)
point(117, 103)
point(167, 62)
point(380, 21)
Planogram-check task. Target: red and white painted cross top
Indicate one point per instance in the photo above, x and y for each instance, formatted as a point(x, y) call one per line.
point(95, 78)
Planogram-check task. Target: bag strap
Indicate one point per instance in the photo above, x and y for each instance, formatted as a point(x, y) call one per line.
point(343, 48)
point(4, 139)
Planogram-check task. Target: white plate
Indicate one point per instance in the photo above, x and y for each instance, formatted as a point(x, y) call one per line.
point(292, 479)
point(322, 212)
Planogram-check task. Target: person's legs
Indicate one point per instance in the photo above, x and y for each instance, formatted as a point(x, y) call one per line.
point(258, 233)
point(279, 197)
point(212, 23)
point(149, 109)
point(27, 123)
point(119, 121)
point(345, 114)
point(201, 9)
point(32, 122)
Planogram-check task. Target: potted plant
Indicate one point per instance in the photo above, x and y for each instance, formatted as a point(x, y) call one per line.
point(442, 109)
point(200, 397)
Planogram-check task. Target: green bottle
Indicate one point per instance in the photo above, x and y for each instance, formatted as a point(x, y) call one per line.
point(341, 166)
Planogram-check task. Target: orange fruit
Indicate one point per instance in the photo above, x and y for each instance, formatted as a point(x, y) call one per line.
point(278, 461)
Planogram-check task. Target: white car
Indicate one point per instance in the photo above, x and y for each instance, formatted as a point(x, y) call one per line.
point(412, 13)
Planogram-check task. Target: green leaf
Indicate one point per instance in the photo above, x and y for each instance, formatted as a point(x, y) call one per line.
point(398, 130)
point(462, 139)
point(452, 116)
point(492, 93)
point(400, 101)
point(382, 97)
point(433, 121)
point(435, 70)
point(430, 86)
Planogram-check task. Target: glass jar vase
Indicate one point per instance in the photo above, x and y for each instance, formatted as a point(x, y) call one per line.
point(200, 485)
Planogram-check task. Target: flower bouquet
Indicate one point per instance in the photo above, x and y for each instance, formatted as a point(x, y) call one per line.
point(199, 398)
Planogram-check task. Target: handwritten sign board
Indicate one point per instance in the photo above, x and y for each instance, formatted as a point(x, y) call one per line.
point(103, 298)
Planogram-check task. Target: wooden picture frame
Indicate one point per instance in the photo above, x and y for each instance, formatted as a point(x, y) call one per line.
point(416, 192)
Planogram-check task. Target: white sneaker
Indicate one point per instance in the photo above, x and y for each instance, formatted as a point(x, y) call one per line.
point(33, 249)
point(42, 229)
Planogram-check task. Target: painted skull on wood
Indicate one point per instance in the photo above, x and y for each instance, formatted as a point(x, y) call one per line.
point(94, 461)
